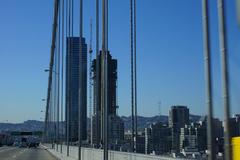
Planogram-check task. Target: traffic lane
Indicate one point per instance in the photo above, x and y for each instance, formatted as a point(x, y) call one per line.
point(36, 154)
point(3, 148)
point(11, 153)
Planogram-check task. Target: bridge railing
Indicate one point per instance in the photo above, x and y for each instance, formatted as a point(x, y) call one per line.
point(97, 154)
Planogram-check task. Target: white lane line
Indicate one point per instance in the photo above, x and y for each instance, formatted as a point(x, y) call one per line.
point(2, 148)
point(7, 149)
point(18, 154)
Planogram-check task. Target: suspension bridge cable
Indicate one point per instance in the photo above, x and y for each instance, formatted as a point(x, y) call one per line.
point(68, 74)
point(62, 72)
point(97, 96)
point(225, 79)
point(104, 79)
point(51, 64)
point(71, 70)
point(58, 73)
point(80, 89)
point(208, 78)
point(55, 93)
point(135, 73)
point(132, 74)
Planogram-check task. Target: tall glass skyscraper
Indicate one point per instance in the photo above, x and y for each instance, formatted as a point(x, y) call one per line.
point(73, 70)
point(115, 123)
point(178, 118)
point(112, 84)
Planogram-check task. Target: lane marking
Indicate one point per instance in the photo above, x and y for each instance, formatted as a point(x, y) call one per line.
point(18, 154)
point(7, 149)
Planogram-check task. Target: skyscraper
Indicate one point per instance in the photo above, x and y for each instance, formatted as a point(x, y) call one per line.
point(235, 125)
point(178, 118)
point(73, 68)
point(157, 138)
point(116, 127)
point(112, 84)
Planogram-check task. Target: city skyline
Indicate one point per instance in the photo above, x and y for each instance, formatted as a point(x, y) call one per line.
point(161, 77)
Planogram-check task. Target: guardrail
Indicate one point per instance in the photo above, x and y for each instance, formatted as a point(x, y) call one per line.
point(97, 154)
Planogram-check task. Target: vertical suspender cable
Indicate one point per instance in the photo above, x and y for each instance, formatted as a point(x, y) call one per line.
point(97, 103)
point(55, 94)
point(80, 79)
point(71, 72)
point(56, 2)
point(62, 72)
point(225, 79)
point(208, 78)
point(73, 122)
point(102, 75)
point(106, 29)
point(68, 75)
point(132, 81)
point(53, 105)
point(106, 82)
point(51, 116)
point(58, 72)
point(52, 111)
point(55, 90)
point(135, 76)
point(102, 78)
point(104, 94)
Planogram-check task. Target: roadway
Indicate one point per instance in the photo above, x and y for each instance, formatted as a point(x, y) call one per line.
point(15, 153)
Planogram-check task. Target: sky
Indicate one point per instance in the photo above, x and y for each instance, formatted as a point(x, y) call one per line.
point(170, 64)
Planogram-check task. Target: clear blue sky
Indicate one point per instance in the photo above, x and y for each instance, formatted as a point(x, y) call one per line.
point(170, 55)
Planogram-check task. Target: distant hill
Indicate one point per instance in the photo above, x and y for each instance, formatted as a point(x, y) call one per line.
point(194, 118)
point(28, 126)
point(143, 122)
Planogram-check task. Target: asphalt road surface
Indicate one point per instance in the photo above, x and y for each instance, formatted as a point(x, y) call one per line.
point(15, 153)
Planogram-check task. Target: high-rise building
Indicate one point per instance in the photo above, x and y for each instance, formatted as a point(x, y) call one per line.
point(178, 118)
point(115, 132)
point(202, 133)
point(188, 138)
point(235, 126)
point(116, 127)
point(148, 141)
point(189, 141)
point(112, 84)
point(157, 139)
point(76, 67)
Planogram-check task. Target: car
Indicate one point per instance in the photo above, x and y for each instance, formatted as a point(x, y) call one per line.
point(16, 144)
point(32, 145)
point(23, 145)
